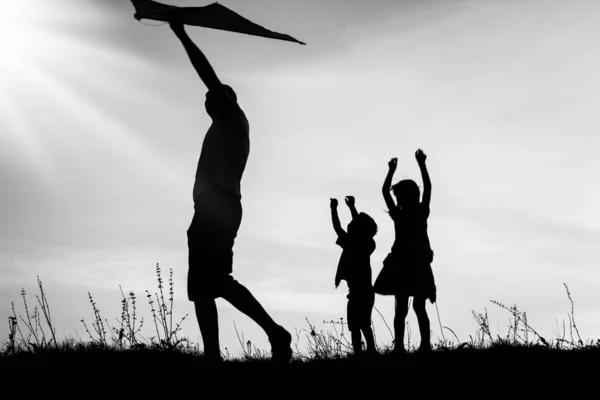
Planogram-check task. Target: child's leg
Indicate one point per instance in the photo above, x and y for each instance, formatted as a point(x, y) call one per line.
point(353, 315)
point(399, 321)
point(366, 329)
point(424, 328)
point(356, 341)
point(370, 339)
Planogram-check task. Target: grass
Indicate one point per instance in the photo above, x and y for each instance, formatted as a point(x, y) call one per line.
point(32, 342)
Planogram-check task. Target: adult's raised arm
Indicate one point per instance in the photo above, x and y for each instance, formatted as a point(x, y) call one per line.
point(197, 57)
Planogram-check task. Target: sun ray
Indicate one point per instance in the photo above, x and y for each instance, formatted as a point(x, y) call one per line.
point(28, 148)
point(99, 125)
point(46, 79)
point(19, 36)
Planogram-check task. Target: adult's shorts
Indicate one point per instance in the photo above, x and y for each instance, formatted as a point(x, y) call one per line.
point(211, 235)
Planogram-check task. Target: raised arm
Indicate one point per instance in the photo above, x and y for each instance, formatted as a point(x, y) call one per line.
point(337, 226)
point(388, 183)
point(198, 59)
point(351, 203)
point(421, 157)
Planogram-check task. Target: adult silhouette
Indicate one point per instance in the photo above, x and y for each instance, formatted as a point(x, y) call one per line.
point(218, 214)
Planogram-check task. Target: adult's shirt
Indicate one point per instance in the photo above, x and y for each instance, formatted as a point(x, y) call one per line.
point(226, 146)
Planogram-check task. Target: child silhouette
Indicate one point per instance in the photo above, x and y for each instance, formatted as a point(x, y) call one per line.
point(407, 268)
point(355, 268)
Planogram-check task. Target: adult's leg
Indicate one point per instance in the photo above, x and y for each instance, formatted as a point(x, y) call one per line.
point(424, 325)
point(227, 214)
point(208, 320)
point(200, 293)
point(209, 243)
point(241, 298)
point(399, 321)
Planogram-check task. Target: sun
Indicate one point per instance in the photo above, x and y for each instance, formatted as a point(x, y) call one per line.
point(59, 83)
point(16, 30)
point(28, 41)
point(18, 35)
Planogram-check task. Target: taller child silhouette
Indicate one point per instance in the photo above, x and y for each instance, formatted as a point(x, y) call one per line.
point(218, 214)
point(407, 269)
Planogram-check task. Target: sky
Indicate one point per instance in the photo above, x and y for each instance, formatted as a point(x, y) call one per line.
point(102, 120)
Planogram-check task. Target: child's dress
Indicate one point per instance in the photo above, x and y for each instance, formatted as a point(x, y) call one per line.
point(407, 268)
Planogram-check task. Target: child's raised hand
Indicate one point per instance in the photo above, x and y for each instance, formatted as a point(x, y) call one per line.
point(420, 156)
point(333, 203)
point(350, 201)
point(393, 163)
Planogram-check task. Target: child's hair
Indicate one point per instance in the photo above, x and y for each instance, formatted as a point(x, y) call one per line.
point(407, 191)
point(365, 224)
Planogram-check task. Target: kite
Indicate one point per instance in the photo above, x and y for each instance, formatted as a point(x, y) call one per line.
point(213, 16)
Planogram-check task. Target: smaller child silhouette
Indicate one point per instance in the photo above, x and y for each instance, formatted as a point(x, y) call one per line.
point(355, 268)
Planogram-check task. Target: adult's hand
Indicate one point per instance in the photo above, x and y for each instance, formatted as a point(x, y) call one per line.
point(177, 27)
